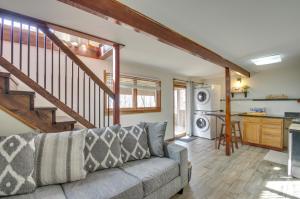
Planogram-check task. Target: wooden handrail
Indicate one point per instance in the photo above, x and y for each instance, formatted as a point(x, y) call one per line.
point(76, 60)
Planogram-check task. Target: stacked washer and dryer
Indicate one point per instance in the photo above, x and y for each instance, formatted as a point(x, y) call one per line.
point(206, 99)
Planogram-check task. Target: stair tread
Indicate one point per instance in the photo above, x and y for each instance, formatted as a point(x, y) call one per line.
point(45, 108)
point(65, 119)
point(3, 74)
point(15, 92)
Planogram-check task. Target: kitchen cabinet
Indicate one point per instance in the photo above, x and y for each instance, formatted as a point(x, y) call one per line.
point(263, 131)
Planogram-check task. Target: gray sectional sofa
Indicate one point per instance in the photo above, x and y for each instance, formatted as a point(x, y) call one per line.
point(153, 178)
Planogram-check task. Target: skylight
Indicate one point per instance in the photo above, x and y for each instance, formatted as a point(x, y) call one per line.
point(267, 60)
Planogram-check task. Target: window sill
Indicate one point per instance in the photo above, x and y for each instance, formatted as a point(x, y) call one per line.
point(127, 111)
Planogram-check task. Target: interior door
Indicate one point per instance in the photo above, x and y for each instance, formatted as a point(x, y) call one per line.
point(180, 109)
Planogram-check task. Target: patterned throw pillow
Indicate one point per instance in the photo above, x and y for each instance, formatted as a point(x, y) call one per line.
point(17, 164)
point(134, 143)
point(60, 157)
point(102, 148)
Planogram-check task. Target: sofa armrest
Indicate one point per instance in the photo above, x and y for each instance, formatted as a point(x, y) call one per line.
point(180, 155)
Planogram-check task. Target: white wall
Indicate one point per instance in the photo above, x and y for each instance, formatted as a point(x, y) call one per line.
point(97, 66)
point(275, 81)
point(9, 125)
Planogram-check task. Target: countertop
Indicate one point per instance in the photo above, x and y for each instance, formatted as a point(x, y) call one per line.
point(266, 116)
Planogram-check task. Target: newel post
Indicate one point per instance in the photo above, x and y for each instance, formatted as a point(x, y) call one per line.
point(116, 81)
point(228, 111)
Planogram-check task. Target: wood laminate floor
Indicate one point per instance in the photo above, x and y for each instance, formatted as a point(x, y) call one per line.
point(244, 175)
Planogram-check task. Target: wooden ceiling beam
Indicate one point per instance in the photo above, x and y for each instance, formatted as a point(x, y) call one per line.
point(121, 14)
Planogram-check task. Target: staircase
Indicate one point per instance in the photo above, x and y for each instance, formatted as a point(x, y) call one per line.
point(20, 104)
point(33, 54)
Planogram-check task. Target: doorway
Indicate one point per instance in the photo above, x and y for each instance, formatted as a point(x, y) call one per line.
point(180, 108)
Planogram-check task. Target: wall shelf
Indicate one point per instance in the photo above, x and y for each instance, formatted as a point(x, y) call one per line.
point(261, 99)
point(245, 93)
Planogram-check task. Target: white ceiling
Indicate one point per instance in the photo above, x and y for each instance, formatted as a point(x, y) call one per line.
point(239, 30)
point(236, 29)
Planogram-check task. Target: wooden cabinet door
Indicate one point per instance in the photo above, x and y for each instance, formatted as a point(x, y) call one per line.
point(272, 135)
point(251, 132)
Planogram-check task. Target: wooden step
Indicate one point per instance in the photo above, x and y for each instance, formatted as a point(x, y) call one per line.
point(65, 123)
point(48, 112)
point(17, 102)
point(4, 82)
point(2, 74)
point(64, 119)
point(13, 92)
point(25, 94)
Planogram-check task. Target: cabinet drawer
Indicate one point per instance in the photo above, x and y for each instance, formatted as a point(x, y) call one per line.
point(276, 132)
point(272, 121)
point(273, 141)
point(271, 137)
point(272, 126)
point(252, 119)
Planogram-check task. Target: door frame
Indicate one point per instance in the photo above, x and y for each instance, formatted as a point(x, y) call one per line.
point(178, 84)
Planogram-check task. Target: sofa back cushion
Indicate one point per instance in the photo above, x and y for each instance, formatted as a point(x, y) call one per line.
point(156, 135)
point(134, 143)
point(17, 174)
point(102, 148)
point(60, 157)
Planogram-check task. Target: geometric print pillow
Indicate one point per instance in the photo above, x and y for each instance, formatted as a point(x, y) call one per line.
point(134, 143)
point(102, 149)
point(17, 155)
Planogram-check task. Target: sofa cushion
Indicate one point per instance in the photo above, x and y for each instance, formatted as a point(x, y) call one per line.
point(102, 148)
point(105, 184)
point(46, 192)
point(60, 157)
point(17, 154)
point(156, 135)
point(154, 172)
point(134, 143)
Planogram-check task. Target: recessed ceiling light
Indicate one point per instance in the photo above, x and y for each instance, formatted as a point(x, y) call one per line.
point(267, 60)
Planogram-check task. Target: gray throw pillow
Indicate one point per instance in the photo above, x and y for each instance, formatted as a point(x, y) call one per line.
point(156, 134)
point(134, 143)
point(60, 157)
point(102, 148)
point(17, 153)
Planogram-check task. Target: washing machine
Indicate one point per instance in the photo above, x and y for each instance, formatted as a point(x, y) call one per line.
point(206, 99)
point(204, 126)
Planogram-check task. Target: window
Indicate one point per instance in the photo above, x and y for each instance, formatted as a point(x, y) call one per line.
point(137, 94)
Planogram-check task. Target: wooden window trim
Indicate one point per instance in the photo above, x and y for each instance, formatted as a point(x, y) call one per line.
point(135, 109)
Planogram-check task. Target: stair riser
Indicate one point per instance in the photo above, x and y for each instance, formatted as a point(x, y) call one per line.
point(64, 127)
point(4, 84)
point(17, 102)
point(46, 115)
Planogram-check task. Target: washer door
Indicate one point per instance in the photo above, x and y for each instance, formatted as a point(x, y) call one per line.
point(202, 96)
point(202, 123)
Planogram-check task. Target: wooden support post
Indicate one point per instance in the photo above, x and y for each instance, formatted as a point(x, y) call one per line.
point(228, 112)
point(116, 80)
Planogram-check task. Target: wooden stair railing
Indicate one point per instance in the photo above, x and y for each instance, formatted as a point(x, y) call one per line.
point(53, 71)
